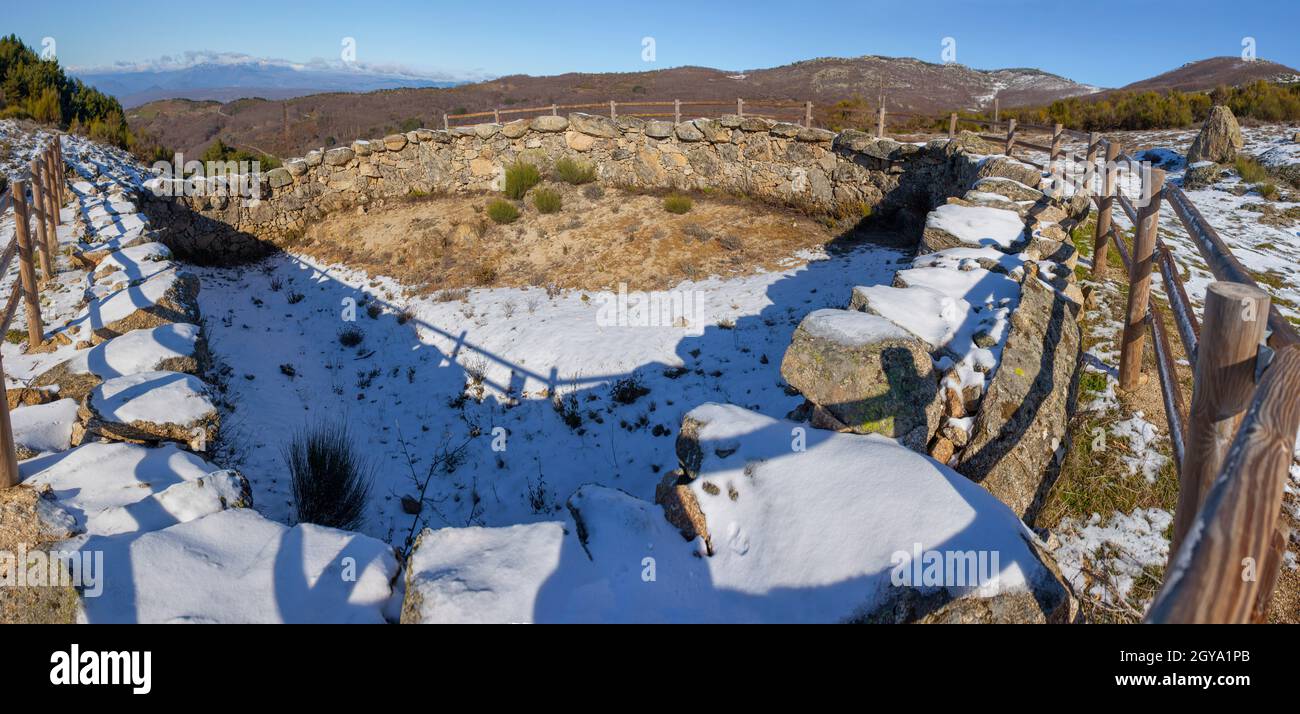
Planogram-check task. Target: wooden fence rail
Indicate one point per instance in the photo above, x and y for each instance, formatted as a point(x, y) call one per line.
point(48, 187)
point(1234, 447)
point(742, 107)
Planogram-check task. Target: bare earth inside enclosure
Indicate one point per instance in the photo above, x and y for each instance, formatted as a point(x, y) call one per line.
point(594, 242)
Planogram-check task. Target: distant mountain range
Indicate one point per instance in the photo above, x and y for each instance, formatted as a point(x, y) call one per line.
point(291, 126)
point(227, 76)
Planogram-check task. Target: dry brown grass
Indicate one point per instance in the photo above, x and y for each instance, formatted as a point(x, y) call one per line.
point(20, 527)
point(593, 243)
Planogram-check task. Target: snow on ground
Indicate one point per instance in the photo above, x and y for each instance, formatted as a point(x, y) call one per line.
point(1125, 545)
point(512, 351)
point(235, 566)
point(768, 565)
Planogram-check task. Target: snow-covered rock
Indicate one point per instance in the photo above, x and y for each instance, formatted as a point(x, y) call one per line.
point(952, 225)
point(871, 375)
point(168, 297)
point(176, 347)
point(150, 407)
point(101, 478)
point(43, 428)
point(137, 262)
point(237, 567)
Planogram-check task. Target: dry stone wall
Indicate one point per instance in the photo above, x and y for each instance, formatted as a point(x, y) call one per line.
point(777, 162)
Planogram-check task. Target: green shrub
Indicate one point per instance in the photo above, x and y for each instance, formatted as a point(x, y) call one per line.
point(520, 177)
point(1267, 190)
point(1249, 170)
point(547, 200)
point(678, 204)
point(574, 172)
point(502, 211)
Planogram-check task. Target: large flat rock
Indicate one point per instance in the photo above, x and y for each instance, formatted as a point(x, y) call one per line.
point(870, 374)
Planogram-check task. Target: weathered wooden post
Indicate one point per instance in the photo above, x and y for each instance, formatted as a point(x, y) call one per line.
point(613, 110)
point(677, 111)
point(995, 110)
point(1139, 286)
point(880, 121)
point(807, 114)
point(55, 197)
point(27, 268)
point(446, 125)
point(1011, 136)
point(1232, 329)
point(740, 107)
point(496, 116)
point(51, 193)
point(8, 455)
point(1100, 245)
point(1056, 145)
point(952, 125)
point(1090, 170)
point(42, 226)
point(1239, 526)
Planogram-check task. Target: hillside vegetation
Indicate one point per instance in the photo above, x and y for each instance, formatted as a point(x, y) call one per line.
point(39, 90)
point(1119, 111)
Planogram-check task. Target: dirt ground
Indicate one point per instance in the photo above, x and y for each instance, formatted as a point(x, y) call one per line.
point(20, 528)
point(600, 238)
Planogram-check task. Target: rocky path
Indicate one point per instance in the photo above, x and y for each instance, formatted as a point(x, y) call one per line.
point(113, 417)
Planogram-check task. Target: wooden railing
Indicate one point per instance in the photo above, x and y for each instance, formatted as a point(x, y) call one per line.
point(1234, 447)
point(47, 183)
point(800, 112)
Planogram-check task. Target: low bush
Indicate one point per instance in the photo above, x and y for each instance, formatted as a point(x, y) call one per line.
point(547, 200)
point(574, 172)
point(1250, 170)
point(520, 177)
point(502, 211)
point(351, 336)
point(329, 478)
point(678, 204)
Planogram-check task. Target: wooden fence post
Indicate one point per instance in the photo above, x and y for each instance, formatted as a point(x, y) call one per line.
point(55, 197)
point(1232, 329)
point(807, 114)
point(952, 125)
point(8, 455)
point(446, 125)
point(1100, 245)
point(995, 110)
point(740, 107)
point(496, 116)
point(1090, 170)
point(1056, 145)
point(613, 110)
point(1239, 521)
point(1139, 286)
point(555, 110)
point(42, 226)
point(880, 122)
point(26, 268)
point(677, 111)
point(1011, 136)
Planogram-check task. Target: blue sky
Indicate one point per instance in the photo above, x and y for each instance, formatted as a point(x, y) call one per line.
point(506, 36)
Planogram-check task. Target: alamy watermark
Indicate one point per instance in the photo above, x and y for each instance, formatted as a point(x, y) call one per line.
point(671, 308)
point(83, 570)
point(230, 179)
point(977, 569)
